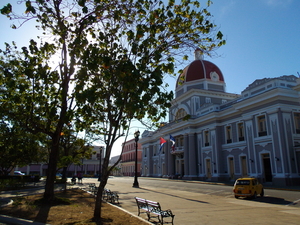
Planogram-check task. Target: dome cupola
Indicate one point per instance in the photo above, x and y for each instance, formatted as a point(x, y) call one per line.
point(202, 73)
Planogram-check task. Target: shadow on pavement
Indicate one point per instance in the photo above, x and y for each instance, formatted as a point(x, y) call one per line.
point(272, 200)
point(176, 196)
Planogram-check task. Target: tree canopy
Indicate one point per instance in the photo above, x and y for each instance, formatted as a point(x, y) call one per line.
point(100, 64)
point(18, 147)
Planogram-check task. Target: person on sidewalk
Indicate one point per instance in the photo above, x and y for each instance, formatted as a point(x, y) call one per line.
point(79, 176)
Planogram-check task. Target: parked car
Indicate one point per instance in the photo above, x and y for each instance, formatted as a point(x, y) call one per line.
point(19, 173)
point(248, 187)
point(58, 174)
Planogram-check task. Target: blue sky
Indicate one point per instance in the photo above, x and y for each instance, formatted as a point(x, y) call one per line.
point(263, 40)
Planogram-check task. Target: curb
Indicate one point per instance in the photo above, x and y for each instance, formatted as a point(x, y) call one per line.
point(5, 202)
point(124, 210)
point(17, 221)
point(131, 214)
point(219, 183)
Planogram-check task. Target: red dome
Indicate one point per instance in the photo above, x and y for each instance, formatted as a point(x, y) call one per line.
point(199, 70)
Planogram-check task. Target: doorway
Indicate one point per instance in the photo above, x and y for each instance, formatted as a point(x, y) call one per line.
point(267, 167)
point(182, 168)
point(208, 169)
point(244, 166)
point(231, 168)
point(179, 167)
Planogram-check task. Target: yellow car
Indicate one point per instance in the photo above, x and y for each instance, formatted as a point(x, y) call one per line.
point(248, 187)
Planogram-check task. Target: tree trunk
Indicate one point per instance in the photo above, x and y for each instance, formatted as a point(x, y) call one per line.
point(64, 177)
point(51, 172)
point(64, 172)
point(98, 203)
point(103, 182)
point(104, 177)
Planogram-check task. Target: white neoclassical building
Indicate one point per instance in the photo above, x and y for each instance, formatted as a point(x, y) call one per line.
point(221, 136)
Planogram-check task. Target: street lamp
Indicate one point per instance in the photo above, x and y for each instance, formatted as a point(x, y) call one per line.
point(100, 169)
point(136, 135)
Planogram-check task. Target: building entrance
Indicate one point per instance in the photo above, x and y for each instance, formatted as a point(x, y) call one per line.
point(231, 169)
point(179, 167)
point(244, 166)
point(208, 169)
point(267, 167)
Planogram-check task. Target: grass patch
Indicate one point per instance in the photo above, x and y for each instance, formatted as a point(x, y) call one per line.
point(55, 201)
point(72, 207)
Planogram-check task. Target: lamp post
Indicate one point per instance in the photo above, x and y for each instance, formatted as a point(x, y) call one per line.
point(100, 169)
point(136, 135)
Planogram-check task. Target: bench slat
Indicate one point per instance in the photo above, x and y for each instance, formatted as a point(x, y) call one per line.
point(153, 207)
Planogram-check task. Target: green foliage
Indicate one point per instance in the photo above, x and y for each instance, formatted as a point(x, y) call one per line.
point(29, 90)
point(73, 149)
point(18, 147)
point(6, 9)
point(12, 183)
point(113, 59)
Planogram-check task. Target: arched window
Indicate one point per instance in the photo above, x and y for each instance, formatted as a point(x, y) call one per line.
point(180, 114)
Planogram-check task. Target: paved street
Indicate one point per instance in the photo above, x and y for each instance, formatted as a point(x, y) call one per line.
point(198, 203)
point(272, 195)
point(203, 208)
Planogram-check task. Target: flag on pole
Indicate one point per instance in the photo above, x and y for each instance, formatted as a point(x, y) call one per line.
point(172, 139)
point(162, 142)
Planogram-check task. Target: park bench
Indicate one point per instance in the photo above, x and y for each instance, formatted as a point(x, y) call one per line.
point(92, 188)
point(154, 208)
point(107, 195)
point(110, 196)
point(73, 180)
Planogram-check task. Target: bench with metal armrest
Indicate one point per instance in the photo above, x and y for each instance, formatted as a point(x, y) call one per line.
point(110, 196)
point(153, 207)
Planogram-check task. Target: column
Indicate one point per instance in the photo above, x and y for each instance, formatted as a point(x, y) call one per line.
point(28, 170)
point(41, 170)
point(167, 157)
point(192, 157)
point(185, 173)
point(150, 161)
point(170, 163)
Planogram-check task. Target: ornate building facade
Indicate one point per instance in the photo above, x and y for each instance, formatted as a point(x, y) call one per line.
point(88, 167)
point(221, 136)
point(128, 158)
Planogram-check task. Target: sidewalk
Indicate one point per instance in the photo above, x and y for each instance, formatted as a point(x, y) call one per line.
point(189, 208)
point(5, 198)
